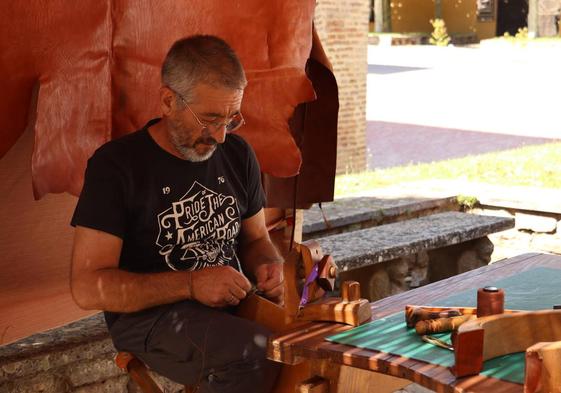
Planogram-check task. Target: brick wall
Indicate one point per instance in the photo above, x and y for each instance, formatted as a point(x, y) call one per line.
point(342, 26)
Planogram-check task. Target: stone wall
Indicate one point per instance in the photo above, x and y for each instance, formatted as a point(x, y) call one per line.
point(342, 26)
point(76, 358)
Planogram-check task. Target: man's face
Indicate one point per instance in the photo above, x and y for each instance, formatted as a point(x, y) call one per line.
point(211, 105)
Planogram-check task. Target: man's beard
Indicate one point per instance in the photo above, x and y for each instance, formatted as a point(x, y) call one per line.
point(189, 153)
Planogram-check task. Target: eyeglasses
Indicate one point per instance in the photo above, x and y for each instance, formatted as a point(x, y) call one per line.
point(233, 124)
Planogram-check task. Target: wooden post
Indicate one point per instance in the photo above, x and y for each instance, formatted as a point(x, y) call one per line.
point(298, 223)
point(378, 16)
point(533, 19)
point(438, 9)
point(387, 16)
point(382, 16)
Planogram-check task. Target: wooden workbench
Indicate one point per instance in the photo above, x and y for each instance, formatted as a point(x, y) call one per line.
point(351, 369)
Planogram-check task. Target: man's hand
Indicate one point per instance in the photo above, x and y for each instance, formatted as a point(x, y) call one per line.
point(218, 286)
point(270, 281)
point(260, 259)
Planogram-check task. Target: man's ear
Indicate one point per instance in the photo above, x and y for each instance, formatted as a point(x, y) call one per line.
point(167, 101)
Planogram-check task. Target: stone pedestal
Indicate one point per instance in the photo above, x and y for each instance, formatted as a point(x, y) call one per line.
point(452, 260)
point(401, 274)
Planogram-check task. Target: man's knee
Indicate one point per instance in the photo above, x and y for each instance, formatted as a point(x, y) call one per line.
point(241, 341)
point(243, 365)
point(191, 344)
point(250, 375)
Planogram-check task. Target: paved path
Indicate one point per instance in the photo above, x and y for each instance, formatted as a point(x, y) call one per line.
point(396, 144)
point(427, 103)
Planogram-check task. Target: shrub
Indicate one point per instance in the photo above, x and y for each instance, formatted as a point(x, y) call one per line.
point(439, 35)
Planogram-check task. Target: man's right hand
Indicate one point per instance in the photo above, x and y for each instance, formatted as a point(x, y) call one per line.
point(219, 286)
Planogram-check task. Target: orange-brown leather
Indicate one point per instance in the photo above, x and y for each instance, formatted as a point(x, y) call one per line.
point(314, 127)
point(94, 66)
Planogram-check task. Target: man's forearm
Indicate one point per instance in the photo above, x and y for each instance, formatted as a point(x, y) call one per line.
point(259, 252)
point(121, 291)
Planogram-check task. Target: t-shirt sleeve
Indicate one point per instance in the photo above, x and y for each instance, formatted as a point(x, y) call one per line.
point(255, 193)
point(101, 204)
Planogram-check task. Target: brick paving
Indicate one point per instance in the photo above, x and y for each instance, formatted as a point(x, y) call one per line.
point(396, 144)
point(428, 104)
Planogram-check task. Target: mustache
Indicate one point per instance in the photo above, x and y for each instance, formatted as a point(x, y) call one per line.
point(206, 141)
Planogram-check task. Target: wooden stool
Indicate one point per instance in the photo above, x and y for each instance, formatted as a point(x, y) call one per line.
point(139, 373)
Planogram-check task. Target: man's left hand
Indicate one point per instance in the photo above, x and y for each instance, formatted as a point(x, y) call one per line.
point(270, 281)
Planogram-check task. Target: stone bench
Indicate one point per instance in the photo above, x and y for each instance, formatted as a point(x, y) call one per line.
point(78, 358)
point(392, 258)
point(349, 214)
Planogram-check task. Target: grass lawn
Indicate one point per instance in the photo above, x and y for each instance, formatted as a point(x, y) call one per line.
point(533, 166)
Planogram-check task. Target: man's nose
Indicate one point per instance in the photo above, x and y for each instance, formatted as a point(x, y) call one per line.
point(217, 133)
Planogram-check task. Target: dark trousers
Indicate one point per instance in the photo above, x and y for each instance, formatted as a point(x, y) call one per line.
point(193, 344)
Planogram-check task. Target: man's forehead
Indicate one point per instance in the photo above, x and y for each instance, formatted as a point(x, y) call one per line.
point(215, 100)
point(216, 92)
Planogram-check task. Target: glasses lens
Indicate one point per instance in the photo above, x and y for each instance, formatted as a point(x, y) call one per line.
point(234, 124)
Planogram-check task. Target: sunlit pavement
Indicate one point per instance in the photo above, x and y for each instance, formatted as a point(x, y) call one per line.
point(427, 103)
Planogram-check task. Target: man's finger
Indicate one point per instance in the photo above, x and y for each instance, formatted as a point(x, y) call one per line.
point(262, 274)
point(243, 283)
point(237, 292)
point(275, 291)
point(279, 299)
point(230, 300)
point(273, 278)
point(270, 284)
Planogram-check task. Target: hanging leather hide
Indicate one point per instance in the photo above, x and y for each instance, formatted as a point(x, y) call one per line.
point(95, 66)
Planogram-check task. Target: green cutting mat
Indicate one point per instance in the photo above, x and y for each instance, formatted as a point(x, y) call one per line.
point(535, 289)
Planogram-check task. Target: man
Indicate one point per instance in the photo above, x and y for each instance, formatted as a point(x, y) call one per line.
point(170, 226)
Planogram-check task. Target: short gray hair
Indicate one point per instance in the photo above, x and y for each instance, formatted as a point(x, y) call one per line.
point(202, 59)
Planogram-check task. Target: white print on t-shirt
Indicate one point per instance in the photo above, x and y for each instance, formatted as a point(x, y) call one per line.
point(199, 230)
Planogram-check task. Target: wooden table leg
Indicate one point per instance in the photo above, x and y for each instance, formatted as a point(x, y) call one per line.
point(346, 379)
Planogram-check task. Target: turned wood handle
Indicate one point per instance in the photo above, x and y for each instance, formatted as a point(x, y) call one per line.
point(416, 314)
point(440, 325)
point(350, 291)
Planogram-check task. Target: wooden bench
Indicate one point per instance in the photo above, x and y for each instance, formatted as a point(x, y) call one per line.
point(392, 258)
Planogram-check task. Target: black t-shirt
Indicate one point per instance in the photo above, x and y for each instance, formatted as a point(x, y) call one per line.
point(172, 214)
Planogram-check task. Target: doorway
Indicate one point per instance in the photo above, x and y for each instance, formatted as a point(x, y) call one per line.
point(511, 16)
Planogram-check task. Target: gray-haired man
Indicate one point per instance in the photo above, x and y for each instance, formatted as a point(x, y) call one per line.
point(169, 224)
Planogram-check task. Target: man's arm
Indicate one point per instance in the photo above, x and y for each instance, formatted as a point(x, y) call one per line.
point(260, 258)
point(97, 283)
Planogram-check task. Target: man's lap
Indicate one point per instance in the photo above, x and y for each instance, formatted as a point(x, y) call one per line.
point(189, 343)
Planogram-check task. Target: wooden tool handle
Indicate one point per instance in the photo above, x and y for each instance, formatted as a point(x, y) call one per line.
point(419, 314)
point(414, 314)
point(441, 325)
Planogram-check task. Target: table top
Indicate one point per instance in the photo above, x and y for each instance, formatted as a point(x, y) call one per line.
point(308, 341)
